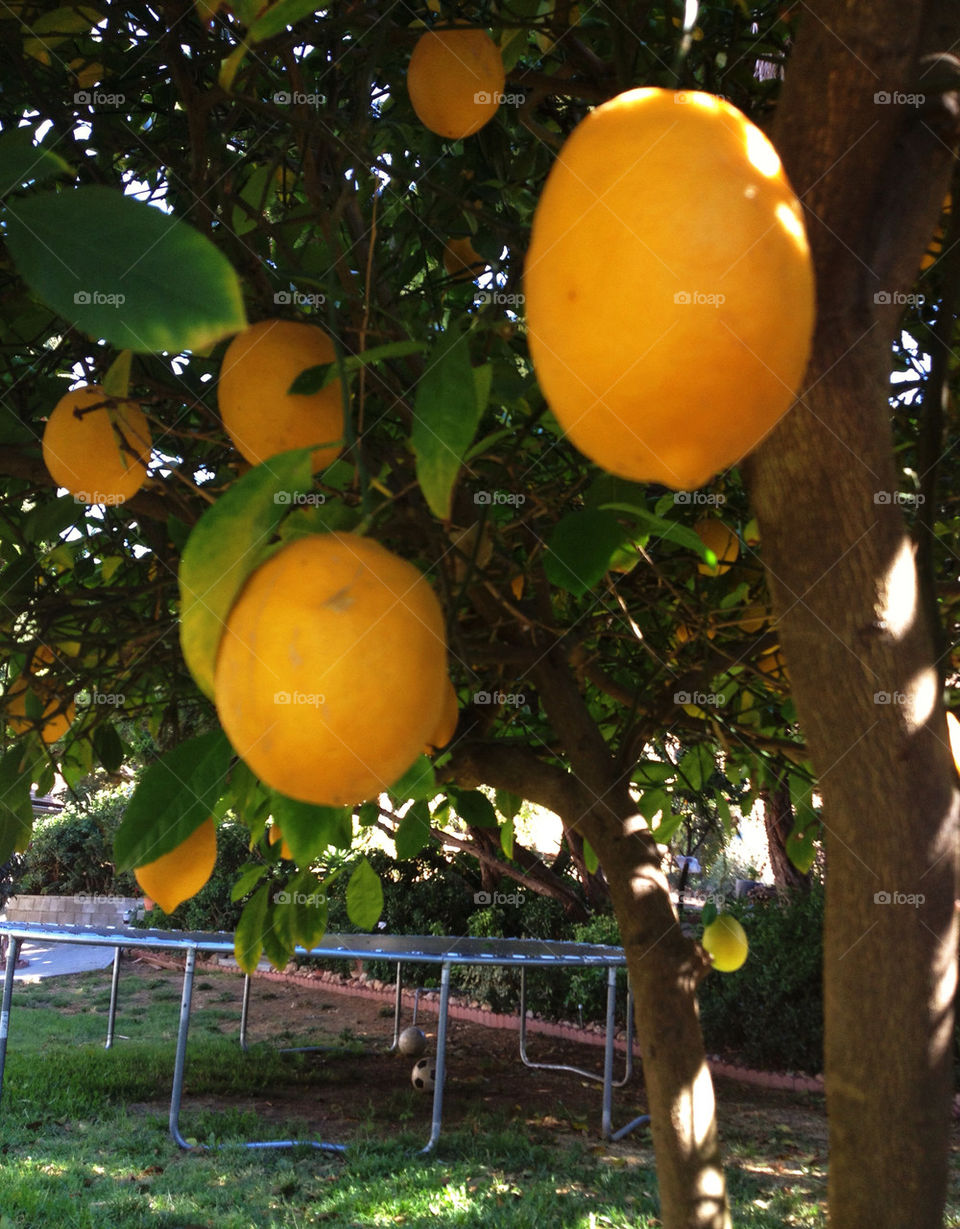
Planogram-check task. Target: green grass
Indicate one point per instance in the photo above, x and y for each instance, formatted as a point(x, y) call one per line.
point(84, 1139)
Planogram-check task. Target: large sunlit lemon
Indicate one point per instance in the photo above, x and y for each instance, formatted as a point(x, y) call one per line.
point(332, 672)
point(447, 725)
point(180, 874)
point(669, 287)
point(455, 80)
point(261, 416)
point(726, 941)
point(100, 455)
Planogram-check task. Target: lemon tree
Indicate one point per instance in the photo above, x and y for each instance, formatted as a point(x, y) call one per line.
point(517, 275)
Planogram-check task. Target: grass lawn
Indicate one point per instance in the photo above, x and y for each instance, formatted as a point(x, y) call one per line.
point(83, 1132)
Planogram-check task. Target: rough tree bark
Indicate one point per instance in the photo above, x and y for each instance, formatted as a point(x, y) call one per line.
point(665, 967)
point(872, 175)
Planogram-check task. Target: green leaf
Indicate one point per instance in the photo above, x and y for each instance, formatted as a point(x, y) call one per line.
point(590, 859)
point(419, 782)
point(507, 835)
point(695, 768)
point(108, 746)
point(313, 379)
point(16, 814)
point(508, 804)
point(653, 772)
point(474, 808)
point(22, 162)
point(278, 16)
point(651, 801)
point(173, 798)
point(309, 829)
point(580, 549)
point(364, 896)
point(662, 528)
point(413, 831)
point(310, 908)
point(709, 913)
point(249, 878)
point(367, 814)
point(669, 823)
point(723, 810)
point(248, 937)
point(807, 826)
point(123, 270)
point(230, 540)
point(445, 419)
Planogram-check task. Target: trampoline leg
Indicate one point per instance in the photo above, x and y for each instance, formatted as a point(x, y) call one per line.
point(13, 951)
point(180, 1062)
point(523, 1018)
point(112, 1013)
point(396, 1011)
point(244, 1010)
point(607, 1120)
point(441, 1059)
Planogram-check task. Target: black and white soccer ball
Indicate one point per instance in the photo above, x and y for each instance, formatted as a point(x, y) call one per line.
point(424, 1074)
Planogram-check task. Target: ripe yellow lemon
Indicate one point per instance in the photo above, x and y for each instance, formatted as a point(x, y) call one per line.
point(332, 672)
point(99, 455)
point(722, 541)
point(461, 261)
point(261, 417)
point(669, 287)
point(57, 711)
point(455, 80)
point(447, 725)
point(726, 941)
point(774, 666)
point(176, 876)
point(273, 835)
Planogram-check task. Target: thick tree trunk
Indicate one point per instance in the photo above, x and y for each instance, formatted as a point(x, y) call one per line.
point(843, 578)
point(664, 966)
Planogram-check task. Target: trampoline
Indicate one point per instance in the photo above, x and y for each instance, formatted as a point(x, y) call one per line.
point(523, 954)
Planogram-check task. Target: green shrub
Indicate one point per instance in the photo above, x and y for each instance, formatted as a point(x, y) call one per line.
point(770, 1012)
point(72, 852)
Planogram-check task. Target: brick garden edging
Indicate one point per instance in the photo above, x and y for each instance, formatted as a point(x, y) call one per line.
point(591, 1034)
